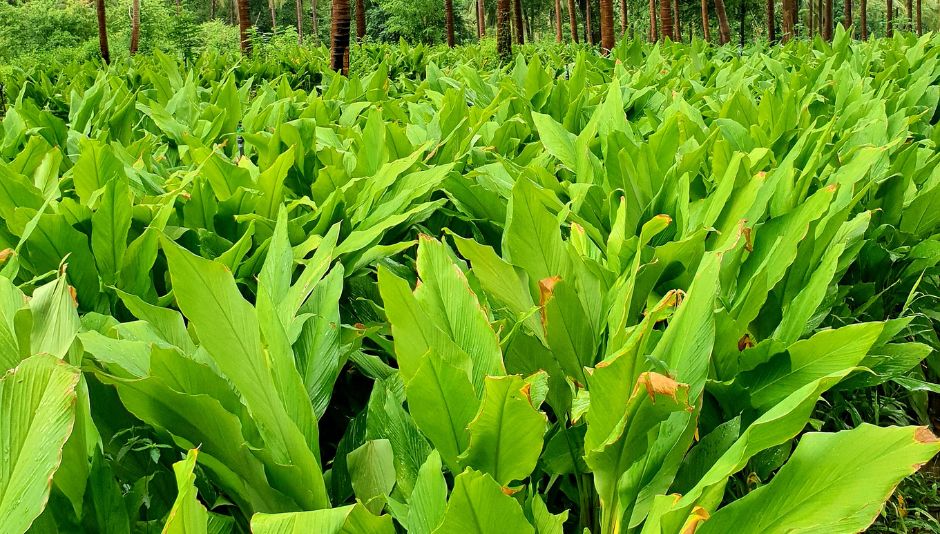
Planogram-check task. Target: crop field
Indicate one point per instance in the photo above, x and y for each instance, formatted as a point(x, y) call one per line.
point(677, 289)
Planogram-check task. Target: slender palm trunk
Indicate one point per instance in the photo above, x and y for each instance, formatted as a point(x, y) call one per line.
point(654, 34)
point(559, 35)
point(299, 13)
point(273, 15)
point(889, 23)
point(706, 32)
point(724, 29)
point(624, 18)
point(481, 19)
point(676, 27)
point(573, 20)
point(742, 17)
point(244, 26)
point(909, 8)
point(449, 21)
point(135, 26)
point(919, 22)
point(360, 20)
point(863, 18)
point(771, 22)
point(503, 30)
point(665, 19)
point(517, 21)
point(789, 18)
point(212, 6)
point(102, 32)
point(339, 36)
point(607, 26)
point(827, 20)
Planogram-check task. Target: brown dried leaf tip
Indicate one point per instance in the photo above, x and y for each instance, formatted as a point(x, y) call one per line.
point(656, 384)
point(745, 342)
point(5, 254)
point(546, 289)
point(924, 435)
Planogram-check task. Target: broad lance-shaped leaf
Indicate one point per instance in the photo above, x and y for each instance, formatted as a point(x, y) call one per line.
point(372, 473)
point(478, 506)
point(442, 402)
point(37, 412)
point(352, 519)
point(778, 425)
point(506, 435)
point(654, 398)
point(204, 416)
point(413, 330)
point(532, 240)
point(685, 348)
point(567, 327)
point(826, 352)
point(387, 419)
point(428, 501)
point(12, 303)
point(109, 227)
point(823, 488)
point(96, 166)
point(449, 302)
point(227, 326)
point(188, 515)
point(55, 319)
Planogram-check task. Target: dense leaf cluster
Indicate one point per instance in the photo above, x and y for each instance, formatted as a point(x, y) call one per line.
point(442, 296)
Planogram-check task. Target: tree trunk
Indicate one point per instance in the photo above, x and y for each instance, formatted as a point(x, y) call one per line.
point(559, 35)
point(653, 30)
point(827, 20)
point(789, 19)
point(889, 23)
point(360, 20)
point(607, 26)
point(771, 22)
point(919, 22)
point(909, 6)
point(271, 11)
point(517, 21)
point(299, 13)
point(135, 26)
point(588, 29)
point(212, 5)
point(573, 20)
point(706, 32)
point(503, 30)
point(676, 27)
point(742, 18)
point(481, 20)
point(244, 27)
point(339, 36)
point(623, 17)
point(863, 18)
point(448, 21)
point(102, 32)
point(724, 29)
point(847, 14)
point(665, 19)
